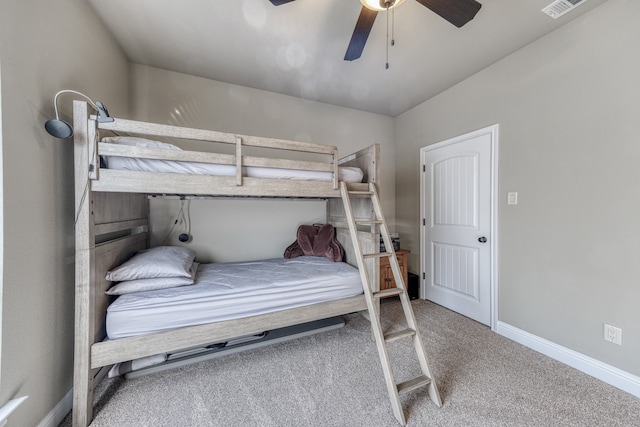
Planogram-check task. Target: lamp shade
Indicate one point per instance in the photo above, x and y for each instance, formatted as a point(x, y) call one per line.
point(58, 128)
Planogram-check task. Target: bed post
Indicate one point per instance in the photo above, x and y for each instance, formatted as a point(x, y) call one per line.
point(85, 243)
point(336, 172)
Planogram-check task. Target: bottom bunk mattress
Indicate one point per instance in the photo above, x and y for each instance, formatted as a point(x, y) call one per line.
point(229, 291)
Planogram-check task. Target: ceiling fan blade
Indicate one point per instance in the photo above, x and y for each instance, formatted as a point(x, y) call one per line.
point(360, 33)
point(457, 12)
point(280, 2)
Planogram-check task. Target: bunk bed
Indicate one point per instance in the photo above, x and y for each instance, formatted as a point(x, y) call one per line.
point(112, 221)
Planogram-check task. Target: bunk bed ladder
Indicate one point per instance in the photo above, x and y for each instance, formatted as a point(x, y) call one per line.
point(373, 297)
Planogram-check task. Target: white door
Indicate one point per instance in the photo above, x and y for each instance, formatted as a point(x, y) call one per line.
point(458, 232)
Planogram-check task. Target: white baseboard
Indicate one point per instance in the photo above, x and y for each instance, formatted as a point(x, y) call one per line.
point(57, 414)
point(606, 373)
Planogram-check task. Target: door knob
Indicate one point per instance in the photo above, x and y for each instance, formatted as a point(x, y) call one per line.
point(482, 239)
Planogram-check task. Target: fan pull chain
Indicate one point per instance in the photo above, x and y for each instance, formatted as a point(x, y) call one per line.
point(393, 41)
point(393, 26)
point(386, 65)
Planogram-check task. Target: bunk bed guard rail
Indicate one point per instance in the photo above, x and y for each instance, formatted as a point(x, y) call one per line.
point(239, 159)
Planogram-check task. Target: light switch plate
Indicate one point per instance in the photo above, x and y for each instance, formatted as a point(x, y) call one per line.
point(512, 198)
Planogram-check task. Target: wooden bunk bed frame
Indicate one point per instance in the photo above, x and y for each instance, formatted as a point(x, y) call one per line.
point(112, 220)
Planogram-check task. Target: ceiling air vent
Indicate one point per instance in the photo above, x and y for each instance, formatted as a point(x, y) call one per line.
point(560, 7)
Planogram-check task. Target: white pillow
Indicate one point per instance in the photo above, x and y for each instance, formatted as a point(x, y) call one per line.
point(141, 285)
point(161, 261)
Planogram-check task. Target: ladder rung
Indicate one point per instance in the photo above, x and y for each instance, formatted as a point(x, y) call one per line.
point(360, 193)
point(407, 386)
point(391, 292)
point(369, 222)
point(399, 334)
point(378, 255)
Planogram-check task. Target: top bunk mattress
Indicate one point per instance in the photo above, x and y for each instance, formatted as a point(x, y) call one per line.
point(346, 174)
point(229, 291)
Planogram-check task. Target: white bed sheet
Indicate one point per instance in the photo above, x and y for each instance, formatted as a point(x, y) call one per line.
point(231, 291)
point(346, 174)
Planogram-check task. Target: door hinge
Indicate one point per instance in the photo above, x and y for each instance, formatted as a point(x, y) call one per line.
point(424, 168)
point(424, 221)
point(424, 276)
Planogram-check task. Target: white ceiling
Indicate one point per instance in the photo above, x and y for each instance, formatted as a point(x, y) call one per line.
point(298, 48)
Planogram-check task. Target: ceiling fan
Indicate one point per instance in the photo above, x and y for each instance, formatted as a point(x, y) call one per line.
point(457, 12)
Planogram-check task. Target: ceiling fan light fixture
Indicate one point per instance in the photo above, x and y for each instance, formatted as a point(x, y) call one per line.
point(381, 5)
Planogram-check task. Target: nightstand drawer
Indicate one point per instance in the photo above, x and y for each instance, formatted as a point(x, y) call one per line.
point(386, 273)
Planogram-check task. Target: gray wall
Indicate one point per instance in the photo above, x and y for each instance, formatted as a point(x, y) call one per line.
point(568, 106)
point(241, 230)
point(45, 46)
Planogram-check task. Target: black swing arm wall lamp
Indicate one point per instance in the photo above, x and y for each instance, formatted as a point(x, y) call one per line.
point(63, 130)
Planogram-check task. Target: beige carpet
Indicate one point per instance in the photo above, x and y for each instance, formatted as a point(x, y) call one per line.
point(335, 379)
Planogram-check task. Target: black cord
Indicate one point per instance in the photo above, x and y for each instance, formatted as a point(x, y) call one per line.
point(82, 199)
point(90, 152)
point(186, 219)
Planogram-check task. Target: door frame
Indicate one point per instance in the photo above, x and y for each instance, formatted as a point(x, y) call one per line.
point(492, 131)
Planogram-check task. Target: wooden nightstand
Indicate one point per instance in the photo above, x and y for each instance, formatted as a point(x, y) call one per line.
point(386, 274)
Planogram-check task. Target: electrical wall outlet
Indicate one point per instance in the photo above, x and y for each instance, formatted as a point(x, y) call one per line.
point(612, 334)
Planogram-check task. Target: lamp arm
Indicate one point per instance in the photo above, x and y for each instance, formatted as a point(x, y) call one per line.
point(55, 100)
